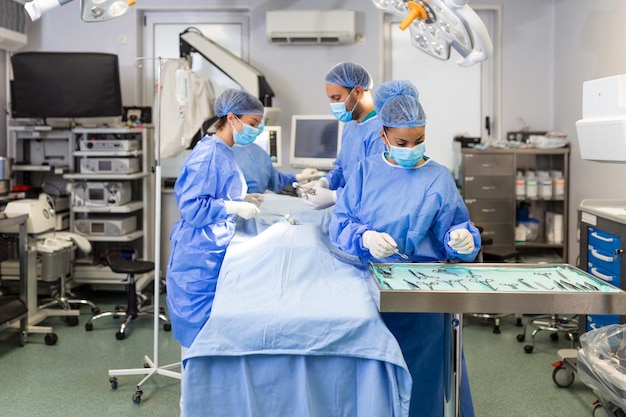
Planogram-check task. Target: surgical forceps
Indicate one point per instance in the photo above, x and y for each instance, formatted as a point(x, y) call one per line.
point(485, 282)
point(304, 191)
point(402, 255)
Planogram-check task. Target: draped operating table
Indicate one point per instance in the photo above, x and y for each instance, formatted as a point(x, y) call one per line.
point(295, 328)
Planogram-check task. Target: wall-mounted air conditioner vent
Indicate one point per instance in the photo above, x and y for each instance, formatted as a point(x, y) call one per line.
point(311, 27)
point(12, 25)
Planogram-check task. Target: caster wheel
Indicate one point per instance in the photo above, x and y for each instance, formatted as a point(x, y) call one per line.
point(113, 382)
point(496, 330)
point(146, 365)
point(22, 340)
point(599, 411)
point(137, 397)
point(89, 326)
point(554, 336)
point(95, 311)
point(528, 349)
point(120, 336)
point(167, 327)
point(50, 339)
point(563, 377)
point(521, 337)
point(72, 321)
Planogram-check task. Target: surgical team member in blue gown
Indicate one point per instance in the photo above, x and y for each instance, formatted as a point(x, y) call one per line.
point(210, 192)
point(261, 175)
point(402, 200)
point(349, 89)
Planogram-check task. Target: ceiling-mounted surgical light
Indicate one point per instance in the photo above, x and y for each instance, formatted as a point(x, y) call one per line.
point(99, 10)
point(90, 10)
point(437, 25)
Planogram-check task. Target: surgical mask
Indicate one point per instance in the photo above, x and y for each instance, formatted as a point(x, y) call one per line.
point(339, 110)
point(248, 133)
point(406, 157)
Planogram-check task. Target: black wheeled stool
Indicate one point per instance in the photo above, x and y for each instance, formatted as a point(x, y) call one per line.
point(134, 306)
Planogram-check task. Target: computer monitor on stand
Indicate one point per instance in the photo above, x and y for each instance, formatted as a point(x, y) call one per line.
point(315, 141)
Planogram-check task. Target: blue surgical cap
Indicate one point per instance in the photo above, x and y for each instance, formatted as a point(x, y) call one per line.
point(237, 102)
point(397, 104)
point(349, 74)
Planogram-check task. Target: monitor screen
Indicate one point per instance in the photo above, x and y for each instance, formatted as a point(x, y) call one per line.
point(65, 84)
point(315, 141)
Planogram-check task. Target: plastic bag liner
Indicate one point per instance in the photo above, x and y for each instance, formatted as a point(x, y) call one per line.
point(602, 362)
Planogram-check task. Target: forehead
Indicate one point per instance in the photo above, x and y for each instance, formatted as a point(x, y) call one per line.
point(336, 90)
point(406, 132)
point(255, 117)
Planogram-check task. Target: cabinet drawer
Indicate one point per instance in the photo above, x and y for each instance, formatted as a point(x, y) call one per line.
point(501, 233)
point(488, 164)
point(488, 187)
point(485, 210)
point(599, 272)
point(609, 261)
point(604, 240)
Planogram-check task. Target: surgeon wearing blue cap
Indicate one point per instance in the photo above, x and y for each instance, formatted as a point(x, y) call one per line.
point(349, 90)
point(210, 192)
point(402, 202)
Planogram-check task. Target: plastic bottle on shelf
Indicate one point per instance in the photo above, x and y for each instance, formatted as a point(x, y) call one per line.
point(520, 185)
point(544, 185)
point(531, 184)
point(558, 184)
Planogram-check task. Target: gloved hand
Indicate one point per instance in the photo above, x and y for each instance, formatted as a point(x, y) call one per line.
point(320, 198)
point(308, 174)
point(380, 245)
point(322, 182)
point(462, 241)
point(254, 198)
point(242, 209)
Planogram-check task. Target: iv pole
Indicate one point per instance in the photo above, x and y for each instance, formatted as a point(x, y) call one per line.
point(151, 367)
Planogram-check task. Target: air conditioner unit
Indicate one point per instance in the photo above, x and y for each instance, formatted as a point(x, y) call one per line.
point(12, 25)
point(311, 27)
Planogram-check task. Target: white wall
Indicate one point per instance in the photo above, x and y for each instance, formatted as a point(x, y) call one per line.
point(548, 49)
point(589, 40)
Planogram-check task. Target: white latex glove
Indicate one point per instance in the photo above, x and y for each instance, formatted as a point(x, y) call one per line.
point(320, 198)
point(322, 182)
point(242, 209)
point(380, 245)
point(309, 174)
point(462, 241)
point(254, 198)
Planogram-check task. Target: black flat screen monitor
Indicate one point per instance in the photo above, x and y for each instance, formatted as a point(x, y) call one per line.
point(65, 85)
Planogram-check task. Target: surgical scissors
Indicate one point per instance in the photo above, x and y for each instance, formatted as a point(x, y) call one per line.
point(303, 190)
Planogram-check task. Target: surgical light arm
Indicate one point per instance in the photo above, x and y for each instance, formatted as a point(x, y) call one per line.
point(240, 71)
point(437, 25)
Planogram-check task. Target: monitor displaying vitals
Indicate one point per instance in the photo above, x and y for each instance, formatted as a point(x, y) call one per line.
point(271, 142)
point(315, 141)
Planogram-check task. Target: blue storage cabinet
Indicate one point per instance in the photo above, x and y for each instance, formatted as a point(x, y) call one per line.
point(602, 231)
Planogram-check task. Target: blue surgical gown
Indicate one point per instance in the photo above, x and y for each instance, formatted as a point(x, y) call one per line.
point(209, 176)
point(358, 141)
point(258, 170)
point(418, 207)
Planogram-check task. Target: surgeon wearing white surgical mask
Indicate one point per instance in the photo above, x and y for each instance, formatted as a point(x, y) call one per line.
point(402, 202)
point(349, 90)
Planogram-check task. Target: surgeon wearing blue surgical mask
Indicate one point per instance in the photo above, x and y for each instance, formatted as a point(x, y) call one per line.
point(349, 90)
point(210, 193)
point(402, 202)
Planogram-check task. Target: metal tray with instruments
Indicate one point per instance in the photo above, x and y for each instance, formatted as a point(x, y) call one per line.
point(497, 288)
